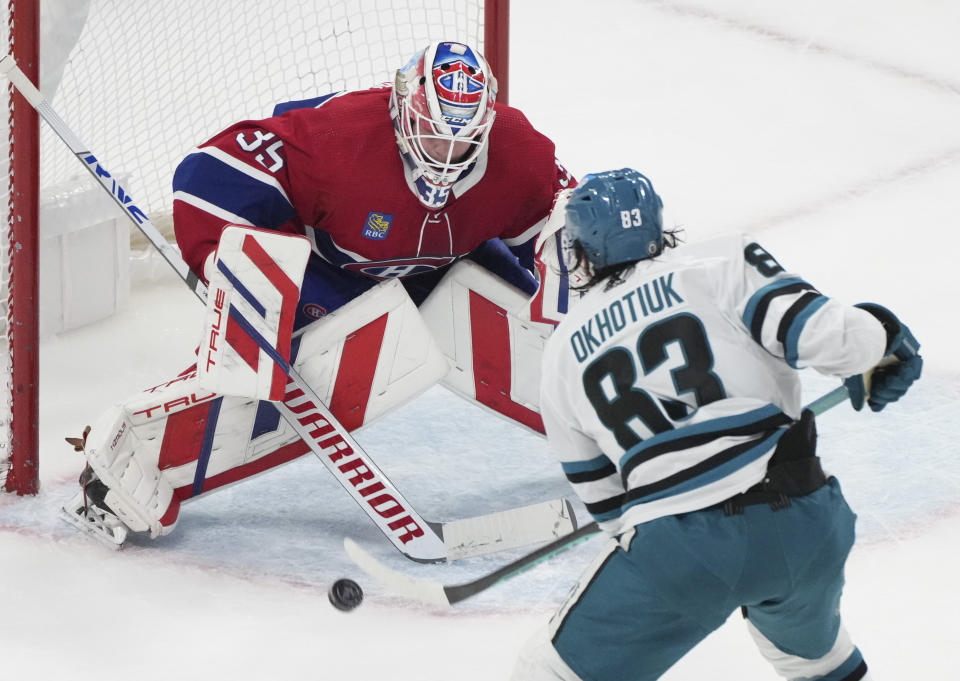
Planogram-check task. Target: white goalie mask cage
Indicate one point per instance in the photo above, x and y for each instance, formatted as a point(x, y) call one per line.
point(442, 110)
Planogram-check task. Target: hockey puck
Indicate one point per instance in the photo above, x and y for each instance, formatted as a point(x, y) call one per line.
point(345, 594)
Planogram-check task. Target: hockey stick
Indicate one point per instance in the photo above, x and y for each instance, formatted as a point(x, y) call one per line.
point(418, 539)
point(829, 400)
point(436, 593)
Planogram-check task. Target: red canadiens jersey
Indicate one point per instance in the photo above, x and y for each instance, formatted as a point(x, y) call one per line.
point(334, 173)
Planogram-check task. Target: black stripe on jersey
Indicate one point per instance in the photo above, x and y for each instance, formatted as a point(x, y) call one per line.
point(601, 508)
point(798, 306)
point(764, 425)
point(717, 459)
point(594, 475)
point(760, 314)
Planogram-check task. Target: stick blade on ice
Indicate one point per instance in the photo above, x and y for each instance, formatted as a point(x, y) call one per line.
point(401, 584)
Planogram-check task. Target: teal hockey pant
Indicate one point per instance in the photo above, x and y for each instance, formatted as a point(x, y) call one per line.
point(652, 596)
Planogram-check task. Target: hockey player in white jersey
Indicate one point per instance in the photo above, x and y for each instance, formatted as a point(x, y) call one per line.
point(670, 395)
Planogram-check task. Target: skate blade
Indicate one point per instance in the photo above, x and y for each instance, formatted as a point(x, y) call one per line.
point(93, 529)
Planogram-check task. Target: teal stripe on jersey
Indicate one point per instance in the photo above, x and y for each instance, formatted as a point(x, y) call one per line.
point(703, 431)
point(594, 464)
point(713, 474)
point(792, 342)
point(755, 299)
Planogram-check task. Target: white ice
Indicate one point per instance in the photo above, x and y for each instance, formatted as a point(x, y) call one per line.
point(828, 129)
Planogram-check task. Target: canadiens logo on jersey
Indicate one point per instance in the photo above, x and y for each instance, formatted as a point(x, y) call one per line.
point(314, 310)
point(399, 267)
point(377, 225)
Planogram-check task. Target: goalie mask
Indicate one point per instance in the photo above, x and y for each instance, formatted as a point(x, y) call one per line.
point(616, 217)
point(442, 110)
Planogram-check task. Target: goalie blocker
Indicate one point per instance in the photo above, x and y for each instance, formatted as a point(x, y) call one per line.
point(255, 278)
point(180, 440)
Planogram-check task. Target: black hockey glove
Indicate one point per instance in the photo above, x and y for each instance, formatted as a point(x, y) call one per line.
point(892, 377)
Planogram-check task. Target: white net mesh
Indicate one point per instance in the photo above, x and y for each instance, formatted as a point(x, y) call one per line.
point(147, 81)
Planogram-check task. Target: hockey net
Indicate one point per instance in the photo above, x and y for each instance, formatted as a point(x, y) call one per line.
point(142, 83)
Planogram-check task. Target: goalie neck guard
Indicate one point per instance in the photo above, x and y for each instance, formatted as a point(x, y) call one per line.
point(442, 111)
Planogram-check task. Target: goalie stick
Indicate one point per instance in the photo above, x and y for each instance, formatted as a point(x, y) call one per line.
point(436, 593)
point(416, 538)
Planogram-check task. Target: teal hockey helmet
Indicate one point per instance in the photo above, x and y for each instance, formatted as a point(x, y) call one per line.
point(616, 217)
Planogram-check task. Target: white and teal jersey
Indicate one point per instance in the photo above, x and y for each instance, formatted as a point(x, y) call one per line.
point(667, 392)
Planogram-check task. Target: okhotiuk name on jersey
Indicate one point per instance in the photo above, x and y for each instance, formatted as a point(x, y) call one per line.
point(647, 299)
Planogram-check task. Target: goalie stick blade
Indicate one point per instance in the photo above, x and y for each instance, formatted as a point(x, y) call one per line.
point(112, 538)
point(508, 529)
point(435, 593)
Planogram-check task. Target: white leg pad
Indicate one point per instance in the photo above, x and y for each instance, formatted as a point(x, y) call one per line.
point(482, 325)
point(175, 442)
point(138, 493)
point(556, 268)
point(371, 355)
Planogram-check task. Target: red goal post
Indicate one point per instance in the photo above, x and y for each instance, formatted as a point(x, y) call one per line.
point(145, 82)
point(19, 355)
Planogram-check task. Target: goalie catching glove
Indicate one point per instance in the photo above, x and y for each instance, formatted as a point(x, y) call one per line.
point(892, 377)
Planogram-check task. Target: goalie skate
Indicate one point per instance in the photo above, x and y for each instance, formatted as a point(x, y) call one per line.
point(87, 512)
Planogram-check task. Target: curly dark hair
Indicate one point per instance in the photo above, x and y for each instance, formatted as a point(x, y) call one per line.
point(614, 275)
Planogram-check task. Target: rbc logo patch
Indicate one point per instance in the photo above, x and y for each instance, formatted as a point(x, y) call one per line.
point(377, 226)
